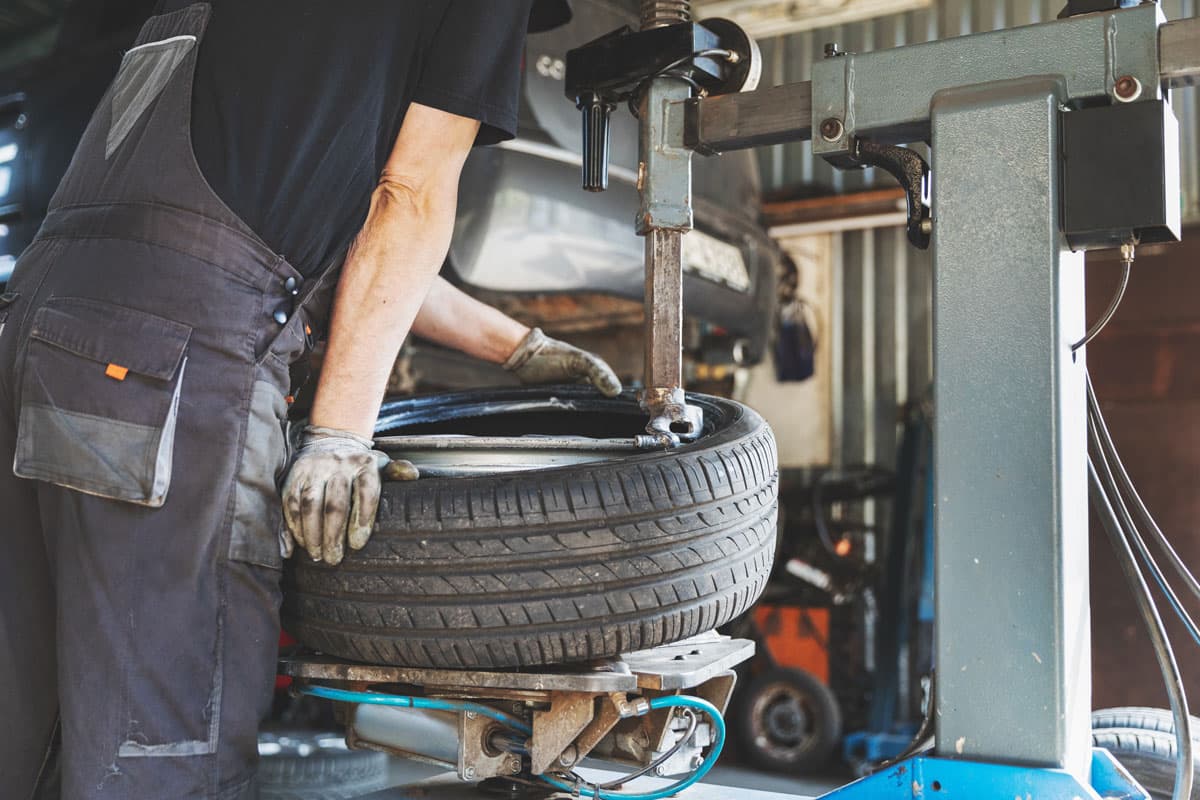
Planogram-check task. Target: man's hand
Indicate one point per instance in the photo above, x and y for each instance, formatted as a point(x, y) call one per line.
point(331, 494)
point(540, 359)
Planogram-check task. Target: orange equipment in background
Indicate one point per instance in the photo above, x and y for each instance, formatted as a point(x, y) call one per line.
point(795, 638)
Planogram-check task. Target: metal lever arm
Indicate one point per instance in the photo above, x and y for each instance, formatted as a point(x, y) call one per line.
point(912, 172)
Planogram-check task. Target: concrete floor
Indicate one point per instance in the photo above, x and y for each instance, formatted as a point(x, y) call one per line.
point(774, 787)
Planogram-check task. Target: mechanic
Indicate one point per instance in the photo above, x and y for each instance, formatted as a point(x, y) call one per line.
point(146, 342)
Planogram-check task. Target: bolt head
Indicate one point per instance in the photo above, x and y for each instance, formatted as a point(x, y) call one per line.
point(832, 50)
point(471, 715)
point(1127, 88)
point(832, 129)
point(469, 772)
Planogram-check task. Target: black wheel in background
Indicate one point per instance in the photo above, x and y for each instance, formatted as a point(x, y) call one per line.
point(787, 721)
point(1143, 741)
point(316, 765)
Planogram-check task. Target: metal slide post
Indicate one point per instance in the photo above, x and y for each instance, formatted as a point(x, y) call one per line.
point(665, 215)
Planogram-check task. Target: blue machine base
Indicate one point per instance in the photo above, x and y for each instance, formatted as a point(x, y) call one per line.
point(873, 748)
point(943, 779)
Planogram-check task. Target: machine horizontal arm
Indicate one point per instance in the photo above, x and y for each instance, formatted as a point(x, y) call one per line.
point(782, 114)
point(726, 122)
point(1179, 52)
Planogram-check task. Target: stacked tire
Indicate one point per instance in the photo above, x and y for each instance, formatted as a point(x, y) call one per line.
point(557, 565)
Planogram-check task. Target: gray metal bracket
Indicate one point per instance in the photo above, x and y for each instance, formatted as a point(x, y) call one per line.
point(675, 667)
point(886, 95)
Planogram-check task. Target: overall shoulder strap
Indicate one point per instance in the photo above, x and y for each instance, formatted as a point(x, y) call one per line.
point(177, 17)
point(170, 6)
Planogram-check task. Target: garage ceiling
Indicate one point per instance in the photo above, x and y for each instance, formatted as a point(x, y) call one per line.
point(765, 18)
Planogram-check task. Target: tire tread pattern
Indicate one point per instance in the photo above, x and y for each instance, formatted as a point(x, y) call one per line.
point(1149, 755)
point(571, 564)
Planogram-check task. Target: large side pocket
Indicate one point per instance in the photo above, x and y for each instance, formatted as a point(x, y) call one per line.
point(258, 511)
point(100, 399)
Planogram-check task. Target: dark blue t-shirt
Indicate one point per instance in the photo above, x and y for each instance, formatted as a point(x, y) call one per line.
point(298, 102)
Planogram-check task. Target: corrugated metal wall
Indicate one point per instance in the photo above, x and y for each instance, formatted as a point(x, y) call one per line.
point(789, 58)
point(880, 321)
point(881, 340)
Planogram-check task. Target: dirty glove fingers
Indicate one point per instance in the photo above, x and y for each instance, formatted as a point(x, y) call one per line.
point(292, 490)
point(541, 359)
point(312, 505)
point(364, 506)
point(335, 518)
point(600, 374)
point(401, 471)
point(287, 542)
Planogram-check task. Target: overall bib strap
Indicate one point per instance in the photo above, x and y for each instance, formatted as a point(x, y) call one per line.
point(187, 20)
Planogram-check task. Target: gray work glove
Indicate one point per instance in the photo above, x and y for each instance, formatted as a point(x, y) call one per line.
point(331, 494)
point(540, 359)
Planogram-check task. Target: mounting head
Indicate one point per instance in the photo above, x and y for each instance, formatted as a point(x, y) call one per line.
point(715, 57)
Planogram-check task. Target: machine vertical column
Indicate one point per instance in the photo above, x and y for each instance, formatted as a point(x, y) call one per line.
point(1013, 639)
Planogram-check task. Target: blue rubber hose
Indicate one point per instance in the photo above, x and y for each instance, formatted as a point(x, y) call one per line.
point(429, 704)
point(674, 701)
point(424, 703)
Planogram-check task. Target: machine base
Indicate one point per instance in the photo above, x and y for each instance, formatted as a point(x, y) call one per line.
point(449, 787)
point(943, 779)
point(515, 725)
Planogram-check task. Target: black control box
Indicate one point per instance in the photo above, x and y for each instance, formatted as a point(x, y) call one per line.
point(1121, 175)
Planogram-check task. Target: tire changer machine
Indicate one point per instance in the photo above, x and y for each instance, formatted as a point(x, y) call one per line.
point(1046, 141)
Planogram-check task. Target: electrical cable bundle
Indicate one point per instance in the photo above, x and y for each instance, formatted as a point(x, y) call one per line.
point(1128, 523)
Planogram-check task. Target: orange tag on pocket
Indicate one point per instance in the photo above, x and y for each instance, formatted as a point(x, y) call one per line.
point(116, 372)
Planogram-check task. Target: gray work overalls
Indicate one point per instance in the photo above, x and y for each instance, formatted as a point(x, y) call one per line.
point(145, 342)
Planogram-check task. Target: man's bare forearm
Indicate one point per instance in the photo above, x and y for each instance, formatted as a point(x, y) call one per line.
point(391, 267)
point(491, 335)
point(382, 288)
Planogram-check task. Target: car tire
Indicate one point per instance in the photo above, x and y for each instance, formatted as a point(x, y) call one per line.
point(311, 765)
point(1140, 718)
point(787, 721)
point(1143, 741)
point(550, 566)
